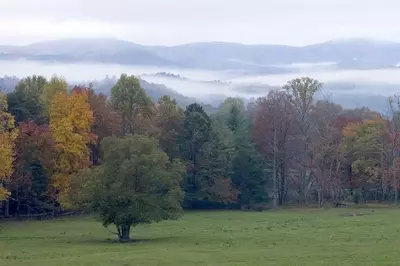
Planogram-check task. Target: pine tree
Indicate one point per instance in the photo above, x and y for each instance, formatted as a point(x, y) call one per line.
point(216, 168)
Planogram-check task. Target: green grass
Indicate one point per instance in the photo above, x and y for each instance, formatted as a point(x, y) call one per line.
point(286, 237)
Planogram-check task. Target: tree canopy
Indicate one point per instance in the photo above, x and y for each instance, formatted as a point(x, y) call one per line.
point(136, 184)
point(132, 160)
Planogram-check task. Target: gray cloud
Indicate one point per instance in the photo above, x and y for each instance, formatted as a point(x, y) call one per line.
point(179, 21)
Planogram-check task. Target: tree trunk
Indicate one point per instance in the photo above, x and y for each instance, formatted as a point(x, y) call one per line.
point(320, 201)
point(304, 176)
point(18, 202)
point(394, 154)
point(7, 208)
point(395, 183)
point(306, 187)
point(124, 233)
point(275, 190)
point(53, 212)
point(95, 154)
point(282, 198)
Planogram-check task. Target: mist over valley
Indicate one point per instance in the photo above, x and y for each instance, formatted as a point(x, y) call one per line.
point(351, 85)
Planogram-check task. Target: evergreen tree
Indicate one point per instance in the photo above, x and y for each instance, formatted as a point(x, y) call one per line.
point(248, 172)
point(216, 168)
point(250, 178)
point(24, 102)
point(195, 134)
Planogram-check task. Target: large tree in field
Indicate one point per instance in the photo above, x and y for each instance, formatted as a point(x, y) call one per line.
point(70, 123)
point(133, 105)
point(24, 102)
point(136, 184)
point(302, 93)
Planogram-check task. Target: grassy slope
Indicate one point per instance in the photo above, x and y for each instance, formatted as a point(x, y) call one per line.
point(295, 237)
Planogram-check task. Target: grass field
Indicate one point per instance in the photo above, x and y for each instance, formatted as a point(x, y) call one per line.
point(286, 237)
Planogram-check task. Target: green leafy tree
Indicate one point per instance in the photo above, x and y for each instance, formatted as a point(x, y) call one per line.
point(24, 102)
point(370, 148)
point(169, 121)
point(133, 105)
point(54, 86)
point(136, 184)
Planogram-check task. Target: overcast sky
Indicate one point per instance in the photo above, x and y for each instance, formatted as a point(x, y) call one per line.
point(170, 22)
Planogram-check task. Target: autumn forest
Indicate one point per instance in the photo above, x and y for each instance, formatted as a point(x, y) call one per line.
point(63, 149)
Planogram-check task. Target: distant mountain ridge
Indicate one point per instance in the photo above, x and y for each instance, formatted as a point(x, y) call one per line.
point(349, 53)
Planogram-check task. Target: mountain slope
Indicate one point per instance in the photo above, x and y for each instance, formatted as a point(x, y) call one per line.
point(85, 50)
point(351, 53)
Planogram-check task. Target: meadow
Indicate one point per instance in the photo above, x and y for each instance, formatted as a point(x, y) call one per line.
point(287, 237)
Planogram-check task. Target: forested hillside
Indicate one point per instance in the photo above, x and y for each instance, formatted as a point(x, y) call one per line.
point(68, 147)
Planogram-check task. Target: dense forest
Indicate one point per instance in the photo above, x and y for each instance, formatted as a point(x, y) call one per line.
point(66, 147)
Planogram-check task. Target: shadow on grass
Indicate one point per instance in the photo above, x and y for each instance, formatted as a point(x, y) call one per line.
point(110, 240)
point(90, 239)
point(10, 238)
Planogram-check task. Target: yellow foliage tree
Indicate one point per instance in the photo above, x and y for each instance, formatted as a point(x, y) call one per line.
point(70, 122)
point(366, 146)
point(350, 130)
point(7, 137)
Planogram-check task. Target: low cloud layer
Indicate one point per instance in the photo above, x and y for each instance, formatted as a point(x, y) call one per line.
point(172, 22)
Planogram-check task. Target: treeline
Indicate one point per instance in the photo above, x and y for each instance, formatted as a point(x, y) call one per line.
point(283, 148)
